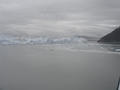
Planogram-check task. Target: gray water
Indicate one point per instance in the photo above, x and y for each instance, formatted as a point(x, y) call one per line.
point(46, 68)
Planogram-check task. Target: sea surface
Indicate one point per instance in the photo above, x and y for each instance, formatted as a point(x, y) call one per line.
point(35, 67)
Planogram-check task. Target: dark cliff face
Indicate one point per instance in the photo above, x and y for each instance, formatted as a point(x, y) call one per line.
point(113, 37)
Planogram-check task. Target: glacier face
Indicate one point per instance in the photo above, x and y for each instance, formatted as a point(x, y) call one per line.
point(12, 39)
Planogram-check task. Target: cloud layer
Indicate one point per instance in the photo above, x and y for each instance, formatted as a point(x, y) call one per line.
point(58, 16)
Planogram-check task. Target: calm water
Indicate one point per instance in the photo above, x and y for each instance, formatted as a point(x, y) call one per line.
point(50, 68)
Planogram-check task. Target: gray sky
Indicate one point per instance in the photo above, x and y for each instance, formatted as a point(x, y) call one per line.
point(58, 16)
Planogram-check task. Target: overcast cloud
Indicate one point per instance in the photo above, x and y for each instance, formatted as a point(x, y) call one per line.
point(58, 16)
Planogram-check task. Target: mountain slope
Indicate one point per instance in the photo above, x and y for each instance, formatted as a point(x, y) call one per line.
point(113, 37)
